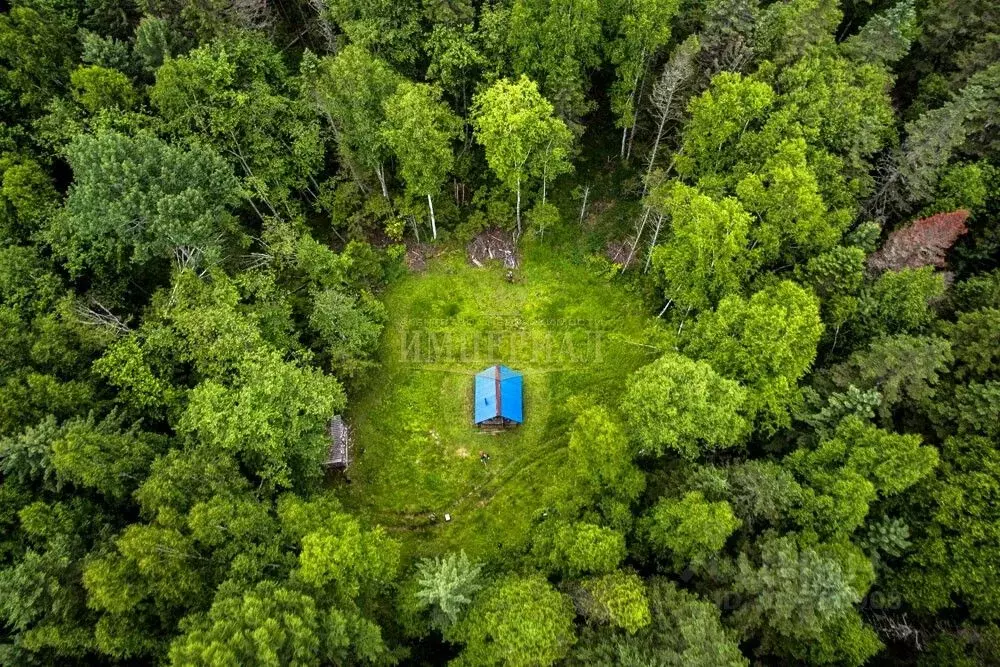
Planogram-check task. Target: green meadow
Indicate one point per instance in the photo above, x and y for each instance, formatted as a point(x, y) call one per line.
point(574, 335)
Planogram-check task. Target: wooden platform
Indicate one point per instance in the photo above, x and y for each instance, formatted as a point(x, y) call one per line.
point(339, 454)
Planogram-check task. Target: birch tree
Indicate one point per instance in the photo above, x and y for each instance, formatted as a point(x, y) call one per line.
point(554, 160)
point(516, 127)
point(644, 27)
point(706, 258)
point(419, 130)
point(667, 97)
point(350, 90)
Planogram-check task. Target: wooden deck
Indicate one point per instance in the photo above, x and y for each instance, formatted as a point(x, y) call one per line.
point(339, 454)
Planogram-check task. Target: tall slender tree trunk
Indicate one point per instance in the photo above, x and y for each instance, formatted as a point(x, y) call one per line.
point(416, 232)
point(638, 97)
point(635, 109)
point(638, 235)
point(380, 172)
point(583, 207)
point(430, 205)
point(652, 154)
point(518, 206)
point(652, 244)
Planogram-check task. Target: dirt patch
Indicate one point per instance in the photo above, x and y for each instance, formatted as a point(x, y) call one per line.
point(595, 210)
point(493, 245)
point(376, 235)
point(417, 255)
point(618, 252)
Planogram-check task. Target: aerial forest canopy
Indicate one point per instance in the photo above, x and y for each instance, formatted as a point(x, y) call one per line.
point(742, 256)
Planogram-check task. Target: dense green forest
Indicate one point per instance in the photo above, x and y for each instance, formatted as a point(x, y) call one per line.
point(746, 253)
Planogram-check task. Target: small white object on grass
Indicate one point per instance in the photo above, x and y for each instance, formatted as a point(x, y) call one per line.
point(447, 517)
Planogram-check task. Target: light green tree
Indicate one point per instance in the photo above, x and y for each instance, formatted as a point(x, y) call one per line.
point(682, 405)
point(517, 621)
point(556, 42)
point(315, 616)
point(350, 91)
point(28, 198)
point(455, 60)
point(236, 95)
point(766, 342)
point(447, 585)
point(273, 418)
point(788, 30)
point(845, 108)
point(691, 528)
point(266, 624)
point(891, 461)
point(642, 28)
point(618, 599)
point(522, 139)
point(182, 478)
point(706, 256)
point(419, 129)
point(899, 302)
point(576, 548)
point(601, 459)
point(719, 118)
point(784, 195)
point(348, 327)
point(96, 88)
point(684, 630)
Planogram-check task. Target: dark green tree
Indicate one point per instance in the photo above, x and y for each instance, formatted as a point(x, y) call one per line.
point(138, 199)
point(236, 95)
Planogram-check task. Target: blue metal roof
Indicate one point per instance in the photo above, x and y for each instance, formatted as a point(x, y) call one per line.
point(499, 394)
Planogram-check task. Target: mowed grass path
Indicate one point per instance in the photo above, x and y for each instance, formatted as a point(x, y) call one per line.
point(572, 334)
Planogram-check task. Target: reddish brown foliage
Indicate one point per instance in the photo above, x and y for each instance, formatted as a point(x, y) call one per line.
point(618, 253)
point(921, 243)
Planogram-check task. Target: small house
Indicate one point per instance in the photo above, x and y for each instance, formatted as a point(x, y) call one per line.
point(498, 397)
point(339, 454)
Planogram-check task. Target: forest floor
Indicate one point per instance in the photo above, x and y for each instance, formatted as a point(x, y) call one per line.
point(573, 334)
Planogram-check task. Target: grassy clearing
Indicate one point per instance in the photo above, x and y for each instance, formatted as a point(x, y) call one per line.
point(570, 333)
